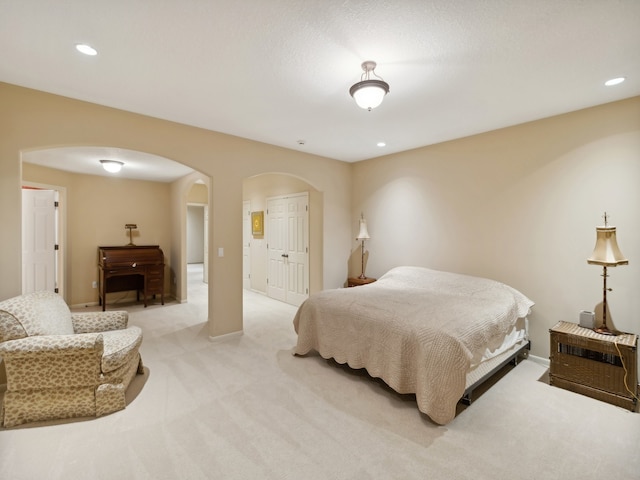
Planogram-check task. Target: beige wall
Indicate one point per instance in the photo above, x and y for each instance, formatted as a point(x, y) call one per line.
point(198, 193)
point(31, 119)
point(97, 208)
point(519, 205)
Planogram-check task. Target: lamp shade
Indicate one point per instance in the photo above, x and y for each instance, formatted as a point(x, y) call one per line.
point(112, 166)
point(369, 94)
point(363, 234)
point(606, 252)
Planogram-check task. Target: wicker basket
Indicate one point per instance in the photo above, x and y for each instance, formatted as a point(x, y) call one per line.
point(600, 366)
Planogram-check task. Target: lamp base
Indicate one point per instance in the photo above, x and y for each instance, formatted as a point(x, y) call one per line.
point(603, 330)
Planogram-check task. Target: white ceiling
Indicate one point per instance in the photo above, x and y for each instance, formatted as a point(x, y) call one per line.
point(86, 160)
point(279, 71)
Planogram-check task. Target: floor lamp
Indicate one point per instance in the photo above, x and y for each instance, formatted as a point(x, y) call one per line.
point(362, 236)
point(607, 254)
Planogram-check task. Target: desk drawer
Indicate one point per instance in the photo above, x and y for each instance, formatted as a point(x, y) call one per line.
point(124, 271)
point(154, 283)
point(155, 270)
point(155, 279)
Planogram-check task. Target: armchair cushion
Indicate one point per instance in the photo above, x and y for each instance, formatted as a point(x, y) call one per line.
point(120, 348)
point(10, 327)
point(86, 322)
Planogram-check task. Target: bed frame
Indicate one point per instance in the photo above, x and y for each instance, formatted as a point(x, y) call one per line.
point(492, 366)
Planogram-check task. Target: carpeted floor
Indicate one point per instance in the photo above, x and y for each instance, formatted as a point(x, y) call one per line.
point(246, 408)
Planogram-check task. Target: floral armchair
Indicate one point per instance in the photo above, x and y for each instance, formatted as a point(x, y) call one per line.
point(61, 364)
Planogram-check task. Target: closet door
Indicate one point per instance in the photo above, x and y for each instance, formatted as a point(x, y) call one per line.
point(297, 255)
point(275, 226)
point(288, 248)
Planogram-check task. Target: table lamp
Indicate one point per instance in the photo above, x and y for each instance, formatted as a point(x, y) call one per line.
point(363, 235)
point(607, 254)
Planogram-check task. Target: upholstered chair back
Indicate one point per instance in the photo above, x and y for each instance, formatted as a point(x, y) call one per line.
point(34, 314)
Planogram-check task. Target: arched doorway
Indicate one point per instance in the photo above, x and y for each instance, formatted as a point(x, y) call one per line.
point(257, 190)
point(98, 205)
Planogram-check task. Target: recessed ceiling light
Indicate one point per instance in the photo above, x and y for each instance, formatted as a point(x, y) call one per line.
point(86, 49)
point(381, 144)
point(614, 81)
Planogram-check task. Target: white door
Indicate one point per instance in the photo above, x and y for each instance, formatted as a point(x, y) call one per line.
point(246, 244)
point(275, 227)
point(288, 248)
point(38, 240)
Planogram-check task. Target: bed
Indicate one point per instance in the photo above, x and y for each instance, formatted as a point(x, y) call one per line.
point(431, 333)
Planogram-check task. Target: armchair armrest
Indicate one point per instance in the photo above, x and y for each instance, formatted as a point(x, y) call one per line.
point(52, 361)
point(87, 322)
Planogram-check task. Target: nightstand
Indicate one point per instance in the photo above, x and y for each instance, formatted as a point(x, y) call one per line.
point(357, 281)
point(604, 367)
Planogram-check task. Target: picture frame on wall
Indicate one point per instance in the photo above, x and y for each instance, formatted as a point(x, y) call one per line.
point(257, 223)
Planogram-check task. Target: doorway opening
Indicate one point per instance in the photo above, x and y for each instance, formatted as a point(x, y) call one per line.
point(197, 241)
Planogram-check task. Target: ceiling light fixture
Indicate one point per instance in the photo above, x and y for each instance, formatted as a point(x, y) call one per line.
point(614, 81)
point(112, 166)
point(86, 49)
point(369, 93)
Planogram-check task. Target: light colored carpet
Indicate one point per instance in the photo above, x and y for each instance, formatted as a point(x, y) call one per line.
point(246, 408)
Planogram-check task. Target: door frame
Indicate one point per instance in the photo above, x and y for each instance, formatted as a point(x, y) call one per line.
point(246, 244)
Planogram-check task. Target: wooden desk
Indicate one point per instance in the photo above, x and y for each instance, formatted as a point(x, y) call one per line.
point(139, 268)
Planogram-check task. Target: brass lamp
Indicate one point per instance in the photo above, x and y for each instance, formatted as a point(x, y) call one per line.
point(608, 254)
point(130, 227)
point(363, 235)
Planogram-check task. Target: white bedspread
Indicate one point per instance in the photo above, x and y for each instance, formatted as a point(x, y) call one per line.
point(420, 330)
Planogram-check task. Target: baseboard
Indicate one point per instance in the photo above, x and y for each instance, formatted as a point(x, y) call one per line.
point(539, 360)
point(78, 306)
point(226, 336)
point(123, 303)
